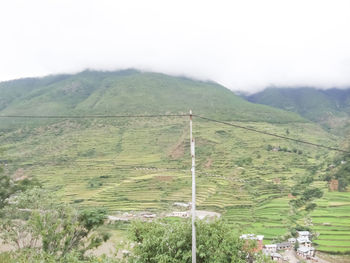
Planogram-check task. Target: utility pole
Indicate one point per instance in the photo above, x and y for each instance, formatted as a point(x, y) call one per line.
point(194, 250)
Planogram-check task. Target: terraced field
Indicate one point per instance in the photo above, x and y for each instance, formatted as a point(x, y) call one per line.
point(144, 164)
point(332, 221)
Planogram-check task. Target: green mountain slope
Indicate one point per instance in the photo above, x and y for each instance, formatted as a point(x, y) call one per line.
point(143, 164)
point(129, 92)
point(314, 104)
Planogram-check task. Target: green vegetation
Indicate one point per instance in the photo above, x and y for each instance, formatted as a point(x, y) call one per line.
point(311, 103)
point(160, 242)
point(342, 174)
point(30, 256)
point(8, 186)
point(35, 220)
point(331, 220)
point(128, 92)
point(258, 183)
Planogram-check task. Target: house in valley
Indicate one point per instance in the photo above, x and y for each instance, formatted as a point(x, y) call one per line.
point(276, 257)
point(304, 234)
point(304, 241)
point(284, 246)
point(306, 252)
point(292, 240)
point(270, 248)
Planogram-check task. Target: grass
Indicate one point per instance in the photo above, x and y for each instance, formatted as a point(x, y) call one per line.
point(144, 164)
point(332, 220)
point(312, 103)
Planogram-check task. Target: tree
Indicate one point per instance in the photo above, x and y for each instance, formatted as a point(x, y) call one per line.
point(296, 245)
point(161, 241)
point(310, 207)
point(8, 187)
point(312, 193)
point(35, 220)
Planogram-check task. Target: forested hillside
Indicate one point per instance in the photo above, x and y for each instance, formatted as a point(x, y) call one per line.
point(129, 92)
point(143, 164)
point(314, 104)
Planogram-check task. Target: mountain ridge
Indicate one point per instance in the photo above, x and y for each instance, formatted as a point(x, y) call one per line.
point(130, 91)
point(312, 103)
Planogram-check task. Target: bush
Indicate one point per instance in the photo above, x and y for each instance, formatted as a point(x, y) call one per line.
point(310, 207)
point(35, 221)
point(33, 256)
point(162, 241)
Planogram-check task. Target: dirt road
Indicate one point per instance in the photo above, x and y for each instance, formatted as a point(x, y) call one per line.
point(290, 254)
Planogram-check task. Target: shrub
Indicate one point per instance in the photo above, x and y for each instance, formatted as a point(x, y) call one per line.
point(162, 241)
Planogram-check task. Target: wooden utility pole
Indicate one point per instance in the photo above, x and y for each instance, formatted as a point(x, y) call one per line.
point(194, 250)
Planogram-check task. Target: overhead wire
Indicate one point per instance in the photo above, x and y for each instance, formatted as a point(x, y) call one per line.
point(91, 116)
point(173, 115)
point(271, 134)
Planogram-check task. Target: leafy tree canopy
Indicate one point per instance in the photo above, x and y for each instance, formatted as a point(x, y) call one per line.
point(34, 220)
point(161, 242)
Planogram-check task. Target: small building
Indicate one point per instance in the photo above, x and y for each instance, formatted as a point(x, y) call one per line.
point(306, 252)
point(304, 234)
point(270, 248)
point(333, 185)
point(292, 240)
point(304, 241)
point(276, 257)
point(284, 246)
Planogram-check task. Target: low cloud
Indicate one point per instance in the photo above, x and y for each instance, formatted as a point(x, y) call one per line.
point(243, 45)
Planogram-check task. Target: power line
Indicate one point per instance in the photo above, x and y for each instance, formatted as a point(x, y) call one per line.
point(169, 115)
point(271, 134)
point(91, 116)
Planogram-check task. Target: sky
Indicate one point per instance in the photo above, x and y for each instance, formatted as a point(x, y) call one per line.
point(244, 45)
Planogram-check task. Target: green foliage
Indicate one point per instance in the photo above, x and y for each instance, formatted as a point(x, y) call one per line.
point(6, 189)
point(142, 164)
point(311, 206)
point(343, 175)
point(35, 220)
point(171, 242)
point(34, 256)
point(312, 193)
point(296, 245)
point(9, 187)
point(244, 161)
point(91, 218)
point(307, 195)
point(311, 103)
point(283, 149)
point(129, 92)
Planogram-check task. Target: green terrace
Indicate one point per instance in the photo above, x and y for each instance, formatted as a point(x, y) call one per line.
point(144, 165)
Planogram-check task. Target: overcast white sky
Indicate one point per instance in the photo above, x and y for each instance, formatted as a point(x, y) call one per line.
point(244, 45)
